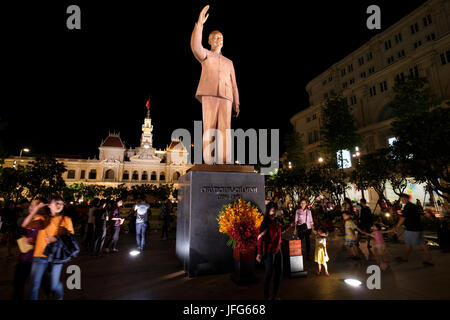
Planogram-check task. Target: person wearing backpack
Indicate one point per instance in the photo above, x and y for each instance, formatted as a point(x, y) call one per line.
point(142, 210)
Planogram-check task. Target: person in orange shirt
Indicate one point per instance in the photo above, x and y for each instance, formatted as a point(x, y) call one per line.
point(55, 225)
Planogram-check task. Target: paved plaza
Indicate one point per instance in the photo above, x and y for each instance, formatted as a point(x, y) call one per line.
point(156, 274)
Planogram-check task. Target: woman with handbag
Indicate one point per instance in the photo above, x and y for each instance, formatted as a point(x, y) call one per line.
point(304, 225)
point(57, 224)
point(31, 226)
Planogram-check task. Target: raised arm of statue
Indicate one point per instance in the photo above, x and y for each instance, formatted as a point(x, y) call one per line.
point(196, 38)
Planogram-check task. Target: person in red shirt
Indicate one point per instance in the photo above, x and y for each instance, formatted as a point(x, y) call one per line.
point(269, 249)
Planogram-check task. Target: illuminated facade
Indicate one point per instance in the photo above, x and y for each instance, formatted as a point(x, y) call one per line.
point(418, 45)
point(117, 164)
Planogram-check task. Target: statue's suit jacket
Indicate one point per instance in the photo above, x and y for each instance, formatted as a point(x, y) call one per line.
point(218, 78)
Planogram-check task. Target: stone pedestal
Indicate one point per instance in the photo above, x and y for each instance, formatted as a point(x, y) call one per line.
point(203, 191)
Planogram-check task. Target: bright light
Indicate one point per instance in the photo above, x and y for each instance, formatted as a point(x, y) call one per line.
point(134, 253)
point(320, 159)
point(146, 146)
point(26, 150)
point(352, 282)
point(356, 148)
point(387, 215)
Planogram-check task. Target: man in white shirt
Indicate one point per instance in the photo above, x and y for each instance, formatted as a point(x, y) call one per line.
point(142, 210)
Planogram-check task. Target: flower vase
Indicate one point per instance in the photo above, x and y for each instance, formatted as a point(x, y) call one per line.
point(244, 266)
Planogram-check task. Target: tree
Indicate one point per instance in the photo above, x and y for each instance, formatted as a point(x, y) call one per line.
point(44, 177)
point(373, 170)
point(294, 149)
point(422, 129)
point(12, 183)
point(338, 130)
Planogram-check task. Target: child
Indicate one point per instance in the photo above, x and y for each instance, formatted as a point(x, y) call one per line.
point(321, 254)
point(380, 246)
point(350, 236)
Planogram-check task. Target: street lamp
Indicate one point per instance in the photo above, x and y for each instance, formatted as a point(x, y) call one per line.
point(290, 165)
point(320, 160)
point(23, 150)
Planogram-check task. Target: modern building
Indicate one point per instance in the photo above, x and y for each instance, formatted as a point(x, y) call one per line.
point(417, 45)
point(117, 164)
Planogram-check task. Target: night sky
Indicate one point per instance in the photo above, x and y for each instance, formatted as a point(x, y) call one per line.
point(64, 90)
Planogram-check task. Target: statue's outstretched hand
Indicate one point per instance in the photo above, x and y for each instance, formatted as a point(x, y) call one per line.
point(203, 16)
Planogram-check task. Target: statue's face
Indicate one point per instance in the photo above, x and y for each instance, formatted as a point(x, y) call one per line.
point(216, 40)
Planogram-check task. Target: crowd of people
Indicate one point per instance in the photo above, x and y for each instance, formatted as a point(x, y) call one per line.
point(35, 225)
point(358, 222)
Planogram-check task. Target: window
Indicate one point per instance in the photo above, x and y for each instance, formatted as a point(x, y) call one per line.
point(387, 44)
point(343, 72)
point(344, 85)
point(126, 175)
point(398, 38)
point(361, 61)
point(417, 44)
point(443, 56)
point(71, 174)
point(390, 60)
point(82, 174)
point(350, 67)
point(400, 77)
point(431, 37)
point(311, 156)
point(93, 174)
point(330, 78)
point(414, 72)
point(308, 119)
point(371, 70)
point(373, 91)
point(401, 54)
point(310, 137)
point(162, 176)
point(135, 175)
point(443, 61)
point(369, 55)
point(144, 176)
point(426, 20)
point(352, 81)
point(314, 116)
point(316, 135)
point(363, 74)
point(383, 86)
point(153, 176)
point(352, 100)
point(414, 28)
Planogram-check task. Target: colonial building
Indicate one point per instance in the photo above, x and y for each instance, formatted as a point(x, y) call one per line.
point(117, 164)
point(417, 45)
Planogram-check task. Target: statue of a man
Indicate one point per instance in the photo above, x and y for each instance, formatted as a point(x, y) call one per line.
point(217, 90)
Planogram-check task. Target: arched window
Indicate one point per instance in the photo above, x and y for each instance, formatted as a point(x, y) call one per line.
point(153, 176)
point(144, 176)
point(109, 174)
point(162, 176)
point(71, 174)
point(176, 176)
point(135, 175)
point(126, 175)
point(93, 174)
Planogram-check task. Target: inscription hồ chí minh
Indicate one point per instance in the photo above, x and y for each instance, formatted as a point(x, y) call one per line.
point(214, 189)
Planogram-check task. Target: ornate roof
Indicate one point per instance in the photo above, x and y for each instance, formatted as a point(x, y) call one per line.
point(113, 140)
